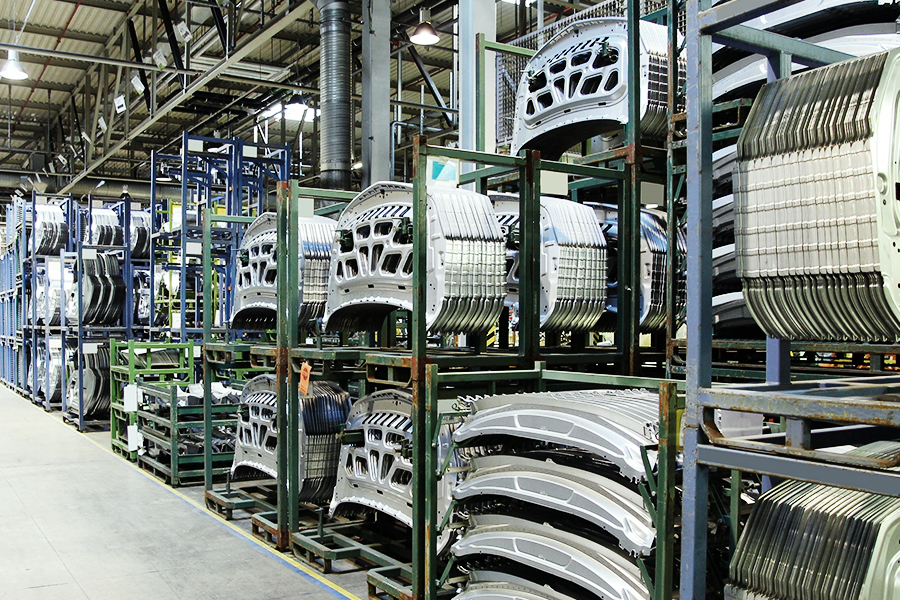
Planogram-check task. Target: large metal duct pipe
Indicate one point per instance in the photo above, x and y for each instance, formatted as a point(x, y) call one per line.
point(336, 136)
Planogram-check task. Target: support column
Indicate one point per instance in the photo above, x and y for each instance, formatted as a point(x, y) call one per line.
point(476, 17)
point(376, 91)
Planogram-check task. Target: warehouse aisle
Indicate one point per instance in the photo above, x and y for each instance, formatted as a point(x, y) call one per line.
point(77, 522)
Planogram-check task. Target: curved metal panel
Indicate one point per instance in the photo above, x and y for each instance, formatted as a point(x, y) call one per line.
point(577, 493)
point(371, 270)
point(599, 570)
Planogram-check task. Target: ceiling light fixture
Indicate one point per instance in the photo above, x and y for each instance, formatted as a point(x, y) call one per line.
point(425, 35)
point(13, 68)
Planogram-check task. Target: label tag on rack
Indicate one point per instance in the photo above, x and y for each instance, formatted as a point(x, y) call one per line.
point(89, 254)
point(305, 370)
point(131, 398)
point(90, 348)
point(135, 439)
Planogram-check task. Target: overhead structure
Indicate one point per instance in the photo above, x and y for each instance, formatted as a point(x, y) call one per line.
point(816, 209)
point(372, 261)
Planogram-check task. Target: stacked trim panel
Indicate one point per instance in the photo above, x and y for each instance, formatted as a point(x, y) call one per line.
point(552, 494)
point(816, 210)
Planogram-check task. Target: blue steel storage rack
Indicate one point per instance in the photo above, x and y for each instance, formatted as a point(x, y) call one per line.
point(227, 177)
point(854, 410)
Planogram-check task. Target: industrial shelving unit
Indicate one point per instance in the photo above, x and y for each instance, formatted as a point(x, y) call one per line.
point(229, 177)
point(850, 407)
point(435, 388)
point(131, 362)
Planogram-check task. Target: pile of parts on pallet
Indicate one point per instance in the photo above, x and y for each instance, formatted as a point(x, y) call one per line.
point(831, 543)
point(552, 496)
point(255, 299)
point(573, 262)
point(827, 273)
point(375, 471)
point(322, 415)
point(94, 386)
point(372, 261)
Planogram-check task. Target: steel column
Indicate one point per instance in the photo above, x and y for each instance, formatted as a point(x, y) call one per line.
point(699, 299)
point(376, 92)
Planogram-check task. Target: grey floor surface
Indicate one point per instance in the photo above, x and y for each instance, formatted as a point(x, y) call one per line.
point(77, 522)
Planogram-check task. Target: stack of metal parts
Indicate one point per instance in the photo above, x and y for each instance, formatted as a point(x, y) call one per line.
point(256, 294)
point(372, 261)
point(51, 232)
point(815, 204)
point(831, 543)
point(105, 228)
point(102, 292)
point(573, 262)
point(95, 386)
point(375, 472)
point(50, 389)
point(158, 357)
point(323, 414)
point(576, 86)
point(551, 494)
point(50, 284)
point(142, 297)
point(653, 282)
point(141, 228)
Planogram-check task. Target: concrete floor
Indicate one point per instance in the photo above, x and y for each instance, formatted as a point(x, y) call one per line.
point(78, 522)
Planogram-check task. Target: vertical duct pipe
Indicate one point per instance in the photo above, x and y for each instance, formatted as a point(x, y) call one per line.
point(336, 135)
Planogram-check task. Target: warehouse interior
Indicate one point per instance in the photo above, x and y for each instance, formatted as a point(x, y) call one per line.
point(475, 299)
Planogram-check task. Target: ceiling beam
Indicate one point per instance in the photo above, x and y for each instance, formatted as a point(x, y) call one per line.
point(111, 5)
point(274, 26)
point(40, 85)
point(54, 32)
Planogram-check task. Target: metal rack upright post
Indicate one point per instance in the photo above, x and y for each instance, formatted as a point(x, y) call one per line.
point(845, 402)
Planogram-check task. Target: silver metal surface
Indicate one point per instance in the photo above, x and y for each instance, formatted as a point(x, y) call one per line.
point(371, 262)
point(323, 413)
point(573, 262)
point(597, 569)
point(815, 204)
point(576, 87)
point(377, 473)
point(612, 424)
point(575, 492)
point(256, 299)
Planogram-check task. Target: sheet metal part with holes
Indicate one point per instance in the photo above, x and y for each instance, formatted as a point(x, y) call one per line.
point(573, 262)
point(323, 413)
point(255, 302)
point(375, 472)
point(576, 86)
point(372, 261)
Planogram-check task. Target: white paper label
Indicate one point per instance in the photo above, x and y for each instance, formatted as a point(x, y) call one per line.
point(101, 122)
point(89, 254)
point(90, 348)
point(120, 103)
point(56, 342)
point(182, 32)
point(131, 397)
point(194, 248)
point(135, 439)
point(137, 84)
point(159, 57)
